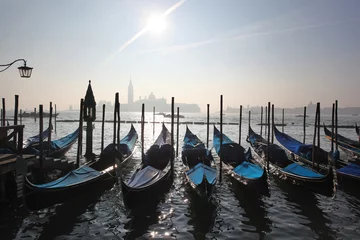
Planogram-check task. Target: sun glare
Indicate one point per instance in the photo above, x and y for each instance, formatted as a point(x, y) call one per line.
point(156, 24)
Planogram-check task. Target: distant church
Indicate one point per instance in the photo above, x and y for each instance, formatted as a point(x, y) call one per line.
point(150, 102)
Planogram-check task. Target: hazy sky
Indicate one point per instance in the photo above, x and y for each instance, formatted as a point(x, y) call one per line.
point(252, 52)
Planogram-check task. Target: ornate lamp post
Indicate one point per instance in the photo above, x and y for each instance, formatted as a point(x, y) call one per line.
point(89, 117)
point(24, 71)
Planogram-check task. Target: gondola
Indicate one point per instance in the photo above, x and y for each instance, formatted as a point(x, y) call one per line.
point(58, 148)
point(153, 176)
point(99, 173)
point(347, 145)
point(36, 139)
point(236, 162)
point(286, 168)
point(200, 167)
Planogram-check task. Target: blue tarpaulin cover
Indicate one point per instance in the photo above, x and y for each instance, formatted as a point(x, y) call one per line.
point(64, 141)
point(197, 173)
point(249, 170)
point(351, 169)
point(297, 169)
point(84, 173)
point(292, 144)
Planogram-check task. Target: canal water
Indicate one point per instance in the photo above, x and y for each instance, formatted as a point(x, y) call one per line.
point(284, 211)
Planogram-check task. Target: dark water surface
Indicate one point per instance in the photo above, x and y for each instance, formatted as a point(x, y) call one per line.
point(280, 211)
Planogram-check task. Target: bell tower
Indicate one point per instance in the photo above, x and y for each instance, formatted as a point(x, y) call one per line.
point(130, 93)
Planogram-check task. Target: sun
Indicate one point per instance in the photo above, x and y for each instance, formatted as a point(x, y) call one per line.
point(156, 24)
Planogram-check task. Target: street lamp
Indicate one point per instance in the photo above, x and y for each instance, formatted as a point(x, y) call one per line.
point(24, 71)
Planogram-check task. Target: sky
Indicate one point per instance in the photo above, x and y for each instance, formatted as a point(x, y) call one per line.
point(249, 51)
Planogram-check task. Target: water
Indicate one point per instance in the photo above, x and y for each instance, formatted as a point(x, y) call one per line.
point(285, 211)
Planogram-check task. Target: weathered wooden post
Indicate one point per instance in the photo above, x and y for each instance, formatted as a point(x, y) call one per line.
point(221, 136)
point(268, 137)
point(3, 113)
point(78, 154)
point(89, 117)
point(336, 125)
point(207, 125)
point(304, 125)
point(283, 110)
point(266, 119)
point(177, 133)
point(332, 129)
point(16, 111)
point(55, 118)
point(314, 138)
point(261, 120)
point(114, 126)
point(1, 117)
point(102, 127)
point(240, 121)
point(172, 137)
point(118, 118)
point(318, 137)
point(16, 114)
point(249, 120)
point(142, 132)
point(35, 114)
point(50, 127)
point(41, 160)
point(273, 124)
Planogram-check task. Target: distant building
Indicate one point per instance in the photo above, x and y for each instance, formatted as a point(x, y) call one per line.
point(151, 101)
point(130, 93)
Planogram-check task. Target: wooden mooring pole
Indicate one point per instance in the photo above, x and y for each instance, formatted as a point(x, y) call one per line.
point(172, 136)
point(261, 120)
point(55, 118)
point(177, 133)
point(79, 146)
point(268, 137)
point(272, 124)
point(221, 136)
point(207, 125)
point(118, 119)
point(16, 114)
point(102, 127)
point(142, 131)
point(304, 125)
point(41, 159)
point(35, 114)
point(283, 111)
point(49, 134)
point(266, 120)
point(3, 113)
point(240, 121)
point(336, 125)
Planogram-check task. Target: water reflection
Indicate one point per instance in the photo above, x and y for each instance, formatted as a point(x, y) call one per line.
point(202, 213)
point(305, 203)
point(58, 220)
point(251, 201)
point(141, 218)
